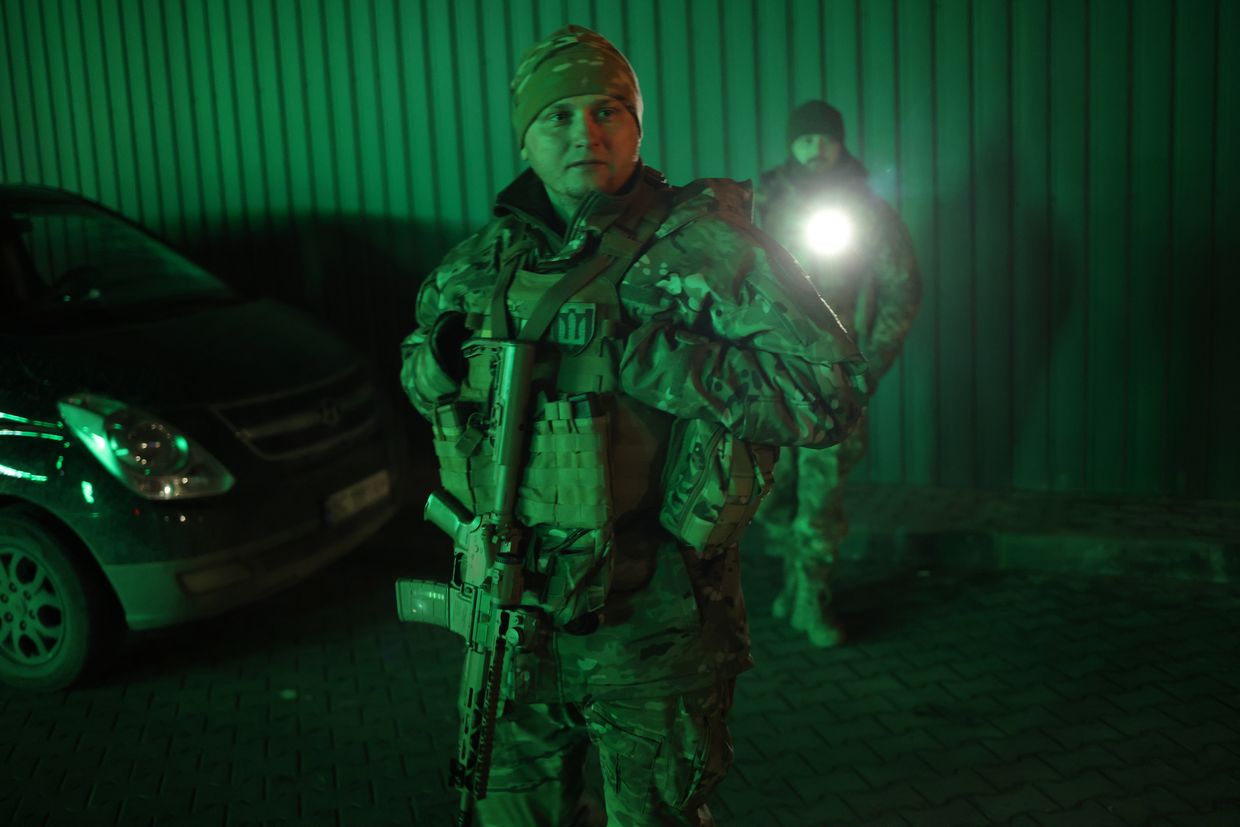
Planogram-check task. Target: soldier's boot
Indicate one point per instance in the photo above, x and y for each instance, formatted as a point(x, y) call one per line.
point(786, 598)
point(811, 610)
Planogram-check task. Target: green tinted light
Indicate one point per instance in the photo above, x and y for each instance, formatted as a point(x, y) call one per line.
point(21, 475)
point(147, 455)
point(88, 492)
point(34, 434)
point(23, 420)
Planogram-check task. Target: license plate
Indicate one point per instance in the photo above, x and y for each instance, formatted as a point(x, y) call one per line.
point(360, 495)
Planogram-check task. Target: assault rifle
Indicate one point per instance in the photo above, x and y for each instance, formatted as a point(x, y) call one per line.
point(482, 602)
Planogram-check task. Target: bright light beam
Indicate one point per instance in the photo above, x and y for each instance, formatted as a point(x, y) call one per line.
point(829, 232)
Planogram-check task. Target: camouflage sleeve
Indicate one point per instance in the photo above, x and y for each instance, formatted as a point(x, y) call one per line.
point(747, 342)
point(425, 381)
point(897, 294)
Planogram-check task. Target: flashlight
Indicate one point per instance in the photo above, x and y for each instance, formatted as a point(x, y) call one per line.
point(829, 232)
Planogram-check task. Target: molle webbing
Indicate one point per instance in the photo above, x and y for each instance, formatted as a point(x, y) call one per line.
point(566, 481)
point(465, 463)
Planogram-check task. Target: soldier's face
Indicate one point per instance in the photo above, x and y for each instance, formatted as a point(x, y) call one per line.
point(582, 144)
point(817, 151)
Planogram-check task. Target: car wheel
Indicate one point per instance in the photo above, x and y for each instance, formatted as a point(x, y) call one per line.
point(56, 617)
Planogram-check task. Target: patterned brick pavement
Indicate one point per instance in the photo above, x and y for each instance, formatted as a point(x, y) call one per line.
point(904, 528)
point(964, 698)
point(928, 509)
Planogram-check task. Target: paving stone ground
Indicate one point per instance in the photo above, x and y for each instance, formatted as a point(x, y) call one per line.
point(1027, 700)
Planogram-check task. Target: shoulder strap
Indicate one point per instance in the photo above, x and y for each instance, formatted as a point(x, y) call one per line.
point(510, 260)
point(627, 246)
point(549, 303)
point(619, 247)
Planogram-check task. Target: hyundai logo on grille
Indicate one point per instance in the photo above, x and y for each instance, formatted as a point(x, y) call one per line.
point(329, 413)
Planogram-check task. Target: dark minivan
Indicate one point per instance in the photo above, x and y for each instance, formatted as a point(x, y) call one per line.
point(168, 449)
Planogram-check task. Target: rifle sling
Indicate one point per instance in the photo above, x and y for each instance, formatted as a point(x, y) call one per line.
point(618, 248)
point(509, 263)
point(549, 304)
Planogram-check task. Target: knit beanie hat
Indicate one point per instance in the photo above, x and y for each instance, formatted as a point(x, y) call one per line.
point(571, 61)
point(815, 118)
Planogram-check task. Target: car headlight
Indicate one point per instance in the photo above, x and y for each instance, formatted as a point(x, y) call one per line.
point(829, 232)
point(151, 457)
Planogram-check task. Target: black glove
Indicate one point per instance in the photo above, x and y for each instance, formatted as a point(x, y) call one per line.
point(448, 336)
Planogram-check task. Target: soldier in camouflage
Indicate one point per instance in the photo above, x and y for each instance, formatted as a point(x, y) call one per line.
point(691, 346)
point(859, 255)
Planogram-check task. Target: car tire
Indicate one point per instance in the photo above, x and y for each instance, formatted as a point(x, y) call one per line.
point(58, 618)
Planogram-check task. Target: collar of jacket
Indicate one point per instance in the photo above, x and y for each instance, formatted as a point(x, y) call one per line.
point(526, 200)
point(847, 172)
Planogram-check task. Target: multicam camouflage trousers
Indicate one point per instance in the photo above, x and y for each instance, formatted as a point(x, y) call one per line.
point(660, 759)
point(802, 521)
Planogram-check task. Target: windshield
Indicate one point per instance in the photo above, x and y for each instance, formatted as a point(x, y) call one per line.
point(68, 258)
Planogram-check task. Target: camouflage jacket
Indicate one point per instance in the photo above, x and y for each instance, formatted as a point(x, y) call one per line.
point(874, 286)
point(722, 325)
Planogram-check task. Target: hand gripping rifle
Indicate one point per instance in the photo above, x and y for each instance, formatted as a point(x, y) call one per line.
point(482, 601)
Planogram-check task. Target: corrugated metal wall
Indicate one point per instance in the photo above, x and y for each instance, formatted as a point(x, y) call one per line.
point(1068, 168)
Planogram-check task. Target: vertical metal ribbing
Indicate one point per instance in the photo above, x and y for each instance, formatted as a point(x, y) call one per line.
point(126, 72)
point(757, 83)
point(40, 173)
point(311, 173)
point(1084, 391)
point(1212, 274)
point(1125, 475)
point(822, 48)
point(260, 125)
point(282, 102)
point(1011, 231)
point(177, 160)
point(433, 145)
point(52, 101)
point(859, 51)
point(1048, 218)
point(329, 102)
point(696, 170)
point(7, 34)
point(1169, 443)
point(975, 472)
point(155, 159)
point(246, 241)
point(488, 159)
point(660, 87)
point(935, 230)
point(196, 147)
point(723, 79)
point(462, 172)
point(898, 148)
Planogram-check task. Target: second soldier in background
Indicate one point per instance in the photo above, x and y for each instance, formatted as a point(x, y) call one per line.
point(854, 247)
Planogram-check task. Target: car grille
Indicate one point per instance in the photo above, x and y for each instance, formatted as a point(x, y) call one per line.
point(304, 422)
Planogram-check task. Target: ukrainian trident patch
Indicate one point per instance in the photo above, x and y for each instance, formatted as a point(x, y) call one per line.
point(574, 324)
